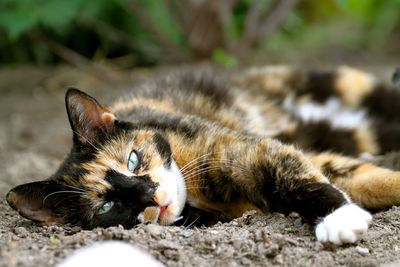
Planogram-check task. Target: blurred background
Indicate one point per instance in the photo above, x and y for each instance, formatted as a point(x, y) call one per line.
point(125, 34)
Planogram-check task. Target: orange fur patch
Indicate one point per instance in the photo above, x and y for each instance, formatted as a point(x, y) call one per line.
point(353, 85)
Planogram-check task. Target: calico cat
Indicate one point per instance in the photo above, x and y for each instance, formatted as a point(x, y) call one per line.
point(268, 139)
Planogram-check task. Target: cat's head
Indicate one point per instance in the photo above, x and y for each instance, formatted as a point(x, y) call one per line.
point(116, 173)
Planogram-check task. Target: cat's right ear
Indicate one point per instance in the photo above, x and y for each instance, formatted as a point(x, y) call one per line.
point(86, 116)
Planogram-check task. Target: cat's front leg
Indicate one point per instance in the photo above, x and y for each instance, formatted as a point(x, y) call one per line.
point(285, 180)
point(346, 224)
point(294, 184)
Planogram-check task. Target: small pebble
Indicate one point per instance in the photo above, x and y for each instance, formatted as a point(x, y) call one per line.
point(21, 231)
point(107, 235)
point(237, 244)
point(298, 222)
point(318, 246)
point(294, 215)
point(362, 250)
point(171, 254)
point(34, 247)
point(279, 239)
point(154, 230)
point(76, 229)
point(186, 233)
point(245, 261)
point(279, 259)
point(272, 251)
point(166, 244)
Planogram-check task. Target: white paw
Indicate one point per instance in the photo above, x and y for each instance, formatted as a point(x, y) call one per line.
point(347, 224)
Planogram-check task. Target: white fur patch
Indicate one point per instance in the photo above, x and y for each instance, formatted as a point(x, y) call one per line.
point(111, 253)
point(332, 111)
point(347, 224)
point(181, 186)
point(171, 192)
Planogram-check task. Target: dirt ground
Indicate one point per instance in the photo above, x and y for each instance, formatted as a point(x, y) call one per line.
point(34, 135)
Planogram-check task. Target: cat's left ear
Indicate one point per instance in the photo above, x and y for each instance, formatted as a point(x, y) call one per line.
point(37, 201)
point(86, 116)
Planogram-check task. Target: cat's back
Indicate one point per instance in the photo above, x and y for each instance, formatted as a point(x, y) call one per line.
point(189, 95)
point(249, 101)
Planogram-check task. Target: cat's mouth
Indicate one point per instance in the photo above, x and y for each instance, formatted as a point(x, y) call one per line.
point(162, 209)
point(170, 198)
point(163, 215)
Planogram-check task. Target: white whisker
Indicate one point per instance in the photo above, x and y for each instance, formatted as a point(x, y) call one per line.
point(60, 192)
point(195, 159)
point(208, 161)
point(73, 187)
point(186, 227)
point(199, 172)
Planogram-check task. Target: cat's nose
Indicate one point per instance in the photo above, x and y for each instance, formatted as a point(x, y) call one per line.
point(147, 198)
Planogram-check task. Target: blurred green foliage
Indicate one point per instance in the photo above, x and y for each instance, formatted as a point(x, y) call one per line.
point(98, 29)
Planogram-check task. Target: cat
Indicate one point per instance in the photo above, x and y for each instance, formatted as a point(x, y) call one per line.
point(265, 139)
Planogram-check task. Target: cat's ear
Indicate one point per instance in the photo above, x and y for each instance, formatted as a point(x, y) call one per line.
point(86, 115)
point(33, 201)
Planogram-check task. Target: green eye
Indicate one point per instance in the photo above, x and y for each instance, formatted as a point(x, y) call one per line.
point(133, 161)
point(105, 208)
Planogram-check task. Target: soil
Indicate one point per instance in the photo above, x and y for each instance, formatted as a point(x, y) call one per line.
point(34, 135)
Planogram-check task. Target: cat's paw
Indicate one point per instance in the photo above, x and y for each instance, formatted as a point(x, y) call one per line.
point(346, 224)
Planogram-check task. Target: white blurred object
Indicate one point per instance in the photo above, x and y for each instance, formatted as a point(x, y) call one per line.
point(110, 253)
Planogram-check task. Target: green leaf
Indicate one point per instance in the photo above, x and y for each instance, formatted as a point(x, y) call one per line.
point(17, 22)
point(224, 59)
point(56, 14)
point(54, 241)
point(160, 16)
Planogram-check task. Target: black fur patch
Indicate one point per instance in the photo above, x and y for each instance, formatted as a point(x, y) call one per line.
point(312, 200)
point(162, 121)
point(320, 85)
point(321, 136)
point(315, 200)
point(131, 195)
point(163, 148)
point(387, 135)
point(130, 187)
point(193, 217)
point(383, 102)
